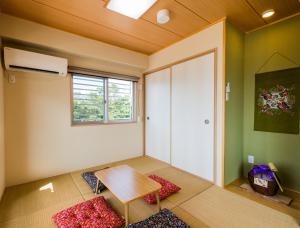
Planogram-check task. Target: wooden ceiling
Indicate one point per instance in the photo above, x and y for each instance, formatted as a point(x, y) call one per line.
point(89, 18)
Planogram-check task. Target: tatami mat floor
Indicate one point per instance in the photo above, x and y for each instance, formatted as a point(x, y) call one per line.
point(198, 203)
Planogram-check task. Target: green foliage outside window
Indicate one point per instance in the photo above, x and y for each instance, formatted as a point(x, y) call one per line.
point(120, 107)
point(84, 110)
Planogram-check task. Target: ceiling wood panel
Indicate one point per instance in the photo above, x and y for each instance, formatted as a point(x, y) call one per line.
point(237, 11)
point(59, 20)
point(183, 21)
point(91, 19)
point(283, 8)
point(96, 12)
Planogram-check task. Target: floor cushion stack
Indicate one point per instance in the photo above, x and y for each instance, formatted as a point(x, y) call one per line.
point(94, 213)
point(91, 179)
point(165, 218)
point(167, 189)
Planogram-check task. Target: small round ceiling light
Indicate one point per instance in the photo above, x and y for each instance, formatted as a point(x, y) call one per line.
point(268, 13)
point(163, 16)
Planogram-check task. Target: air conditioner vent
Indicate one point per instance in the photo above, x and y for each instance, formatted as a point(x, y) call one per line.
point(33, 69)
point(20, 60)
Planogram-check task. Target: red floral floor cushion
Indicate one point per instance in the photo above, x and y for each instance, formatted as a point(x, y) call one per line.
point(167, 189)
point(95, 213)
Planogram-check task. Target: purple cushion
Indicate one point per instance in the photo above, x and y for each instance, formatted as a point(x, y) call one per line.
point(91, 179)
point(164, 218)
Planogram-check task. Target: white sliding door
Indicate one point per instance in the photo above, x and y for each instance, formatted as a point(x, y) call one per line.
point(192, 141)
point(158, 115)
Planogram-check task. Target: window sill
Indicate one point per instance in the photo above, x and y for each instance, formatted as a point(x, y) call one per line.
point(75, 124)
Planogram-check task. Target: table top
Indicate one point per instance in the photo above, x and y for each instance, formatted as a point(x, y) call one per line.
point(126, 183)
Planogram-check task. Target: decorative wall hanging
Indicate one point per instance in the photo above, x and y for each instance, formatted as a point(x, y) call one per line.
point(277, 101)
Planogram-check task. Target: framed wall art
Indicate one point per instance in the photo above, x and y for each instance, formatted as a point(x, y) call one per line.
point(277, 101)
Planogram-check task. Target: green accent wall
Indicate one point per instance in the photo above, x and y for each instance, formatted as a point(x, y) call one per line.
point(234, 106)
point(282, 149)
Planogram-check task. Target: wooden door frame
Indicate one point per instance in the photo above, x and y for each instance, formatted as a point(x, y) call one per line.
point(170, 65)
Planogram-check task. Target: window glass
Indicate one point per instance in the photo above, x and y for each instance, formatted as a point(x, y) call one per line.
point(120, 99)
point(88, 99)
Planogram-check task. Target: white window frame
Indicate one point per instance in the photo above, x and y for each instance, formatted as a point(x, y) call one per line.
point(106, 102)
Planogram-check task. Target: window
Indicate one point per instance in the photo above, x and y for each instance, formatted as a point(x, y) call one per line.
point(102, 100)
point(120, 100)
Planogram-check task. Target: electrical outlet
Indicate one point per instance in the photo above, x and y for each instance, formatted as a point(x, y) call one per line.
point(11, 78)
point(251, 159)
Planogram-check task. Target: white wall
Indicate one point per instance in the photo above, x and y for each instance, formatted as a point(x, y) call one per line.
point(210, 38)
point(2, 146)
point(40, 141)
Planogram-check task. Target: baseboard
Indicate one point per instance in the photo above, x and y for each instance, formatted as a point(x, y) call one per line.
point(237, 182)
point(291, 192)
point(2, 193)
point(147, 156)
point(287, 191)
point(76, 170)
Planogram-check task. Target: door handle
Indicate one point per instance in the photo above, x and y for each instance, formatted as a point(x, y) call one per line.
point(206, 121)
point(148, 118)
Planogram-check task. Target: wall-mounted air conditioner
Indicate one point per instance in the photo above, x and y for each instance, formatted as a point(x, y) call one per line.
point(20, 60)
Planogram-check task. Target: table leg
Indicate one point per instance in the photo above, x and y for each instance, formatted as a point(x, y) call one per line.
point(97, 186)
point(157, 201)
point(127, 213)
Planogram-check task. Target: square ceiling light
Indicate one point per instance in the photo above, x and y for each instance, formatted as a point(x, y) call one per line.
point(130, 8)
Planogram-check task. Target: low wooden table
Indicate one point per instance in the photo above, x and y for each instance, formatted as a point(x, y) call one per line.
point(127, 184)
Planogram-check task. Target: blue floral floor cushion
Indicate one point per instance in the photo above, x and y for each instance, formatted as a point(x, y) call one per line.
point(91, 179)
point(165, 218)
